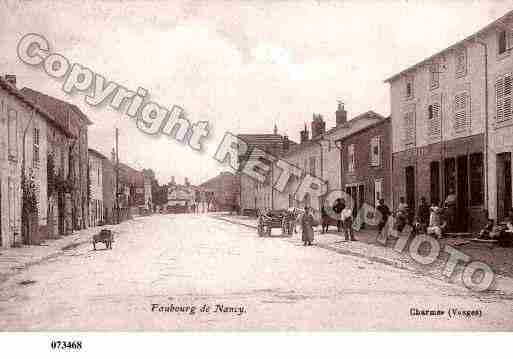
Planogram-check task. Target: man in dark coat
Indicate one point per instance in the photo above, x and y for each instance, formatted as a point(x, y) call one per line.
point(338, 207)
point(385, 213)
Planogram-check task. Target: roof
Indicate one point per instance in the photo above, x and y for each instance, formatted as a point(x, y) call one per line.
point(97, 153)
point(223, 176)
point(351, 126)
point(365, 128)
point(459, 43)
point(56, 107)
point(262, 140)
point(23, 98)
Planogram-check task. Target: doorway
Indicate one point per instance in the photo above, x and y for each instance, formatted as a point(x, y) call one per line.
point(461, 221)
point(503, 185)
point(410, 189)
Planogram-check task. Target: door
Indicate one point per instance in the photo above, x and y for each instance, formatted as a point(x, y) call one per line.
point(461, 221)
point(503, 185)
point(410, 189)
point(435, 182)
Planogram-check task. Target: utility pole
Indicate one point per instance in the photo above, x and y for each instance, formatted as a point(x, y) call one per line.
point(117, 173)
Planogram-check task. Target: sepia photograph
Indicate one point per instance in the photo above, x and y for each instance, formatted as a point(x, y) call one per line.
point(255, 166)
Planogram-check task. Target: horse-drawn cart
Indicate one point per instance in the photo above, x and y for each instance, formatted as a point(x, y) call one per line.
point(275, 219)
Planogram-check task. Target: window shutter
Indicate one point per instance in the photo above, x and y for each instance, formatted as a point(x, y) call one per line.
point(434, 123)
point(507, 114)
point(409, 128)
point(461, 111)
point(499, 96)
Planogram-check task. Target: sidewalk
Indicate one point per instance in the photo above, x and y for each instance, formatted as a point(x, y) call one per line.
point(14, 260)
point(366, 246)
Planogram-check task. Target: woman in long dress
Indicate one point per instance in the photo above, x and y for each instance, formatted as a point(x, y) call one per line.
point(307, 222)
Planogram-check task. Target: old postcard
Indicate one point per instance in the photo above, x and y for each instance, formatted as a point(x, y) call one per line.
point(255, 166)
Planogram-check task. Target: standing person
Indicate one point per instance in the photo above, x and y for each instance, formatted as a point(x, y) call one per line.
point(384, 212)
point(347, 221)
point(450, 209)
point(423, 215)
point(325, 220)
point(437, 223)
point(307, 221)
point(338, 208)
point(402, 215)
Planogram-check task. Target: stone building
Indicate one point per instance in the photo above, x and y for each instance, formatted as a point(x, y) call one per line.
point(319, 155)
point(23, 148)
point(366, 164)
point(224, 191)
point(76, 122)
point(451, 125)
point(255, 195)
point(96, 192)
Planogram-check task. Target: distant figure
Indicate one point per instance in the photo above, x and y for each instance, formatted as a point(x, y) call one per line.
point(338, 207)
point(384, 212)
point(437, 224)
point(401, 216)
point(450, 209)
point(324, 220)
point(423, 215)
point(489, 232)
point(347, 222)
point(307, 222)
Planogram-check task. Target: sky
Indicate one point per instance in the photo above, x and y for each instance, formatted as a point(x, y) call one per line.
point(243, 66)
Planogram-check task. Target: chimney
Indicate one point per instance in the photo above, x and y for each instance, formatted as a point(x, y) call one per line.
point(341, 114)
point(113, 156)
point(11, 79)
point(275, 131)
point(286, 143)
point(186, 182)
point(304, 135)
point(318, 126)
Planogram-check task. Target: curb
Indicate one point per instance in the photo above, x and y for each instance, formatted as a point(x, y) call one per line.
point(385, 261)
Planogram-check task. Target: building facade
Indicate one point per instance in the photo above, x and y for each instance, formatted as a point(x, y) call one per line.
point(223, 191)
point(366, 164)
point(319, 155)
point(96, 192)
point(69, 117)
point(253, 194)
point(23, 148)
point(452, 117)
point(438, 125)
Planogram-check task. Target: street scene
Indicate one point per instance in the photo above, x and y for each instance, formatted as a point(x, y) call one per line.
point(254, 166)
point(278, 283)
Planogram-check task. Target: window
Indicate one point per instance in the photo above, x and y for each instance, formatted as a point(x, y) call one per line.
point(36, 147)
point(409, 88)
point(461, 111)
point(351, 159)
point(461, 62)
point(434, 76)
point(433, 123)
point(12, 138)
point(476, 179)
point(312, 166)
point(378, 190)
point(409, 129)
point(502, 42)
point(375, 151)
point(503, 98)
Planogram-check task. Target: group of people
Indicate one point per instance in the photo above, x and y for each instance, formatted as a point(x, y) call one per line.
point(344, 221)
point(432, 220)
